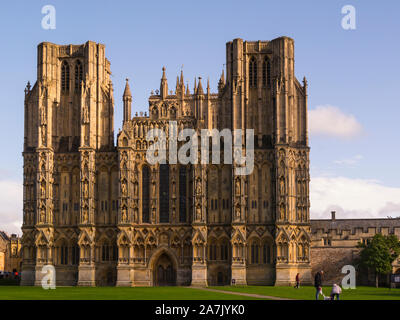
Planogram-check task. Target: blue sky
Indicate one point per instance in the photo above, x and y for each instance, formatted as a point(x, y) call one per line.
point(353, 79)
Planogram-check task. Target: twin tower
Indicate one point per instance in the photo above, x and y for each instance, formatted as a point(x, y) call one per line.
point(101, 214)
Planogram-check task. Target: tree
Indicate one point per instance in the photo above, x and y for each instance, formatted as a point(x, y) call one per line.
point(379, 254)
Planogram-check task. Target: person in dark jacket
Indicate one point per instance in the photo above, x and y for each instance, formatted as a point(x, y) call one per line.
point(297, 281)
point(318, 283)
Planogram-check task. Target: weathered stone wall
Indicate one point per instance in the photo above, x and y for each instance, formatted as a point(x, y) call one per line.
point(331, 260)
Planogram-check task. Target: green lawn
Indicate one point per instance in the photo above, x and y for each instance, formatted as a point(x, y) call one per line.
point(183, 293)
point(308, 293)
point(112, 293)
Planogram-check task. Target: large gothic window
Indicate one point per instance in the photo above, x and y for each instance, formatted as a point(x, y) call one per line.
point(224, 250)
point(75, 255)
point(64, 76)
point(78, 75)
point(253, 72)
point(164, 193)
point(254, 252)
point(266, 73)
point(64, 254)
point(105, 252)
point(266, 253)
point(182, 194)
point(145, 194)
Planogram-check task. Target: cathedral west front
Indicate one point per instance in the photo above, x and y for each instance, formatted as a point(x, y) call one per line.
point(101, 214)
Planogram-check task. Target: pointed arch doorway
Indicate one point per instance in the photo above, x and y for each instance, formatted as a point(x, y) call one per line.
point(164, 271)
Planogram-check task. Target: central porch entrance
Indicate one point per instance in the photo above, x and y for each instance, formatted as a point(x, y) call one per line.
point(164, 271)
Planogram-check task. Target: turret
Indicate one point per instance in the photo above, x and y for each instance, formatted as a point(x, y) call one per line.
point(180, 86)
point(163, 85)
point(127, 99)
point(200, 88)
point(221, 82)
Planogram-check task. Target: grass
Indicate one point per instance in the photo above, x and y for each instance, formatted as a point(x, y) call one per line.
point(113, 293)
point(308, 293)
point(183, 293)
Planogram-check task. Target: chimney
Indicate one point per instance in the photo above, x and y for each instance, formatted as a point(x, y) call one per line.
point(333, 215)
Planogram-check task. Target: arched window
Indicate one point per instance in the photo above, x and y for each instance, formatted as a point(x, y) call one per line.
point(65, 76)
point(266, 253)
point(253, 72)
point(182, 193)
point(78, 75)
point(164, 193)
point(254, 252)
point(212, 252)
point(266, 72)
point(224, 250)
point(64, 255)
point(105, 253)
point(75, 255)
point(145, 194)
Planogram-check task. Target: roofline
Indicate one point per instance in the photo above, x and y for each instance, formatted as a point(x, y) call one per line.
point(353, 219)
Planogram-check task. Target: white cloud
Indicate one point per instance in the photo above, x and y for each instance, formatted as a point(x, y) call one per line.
point(11, 193)
point(351, 162)
point(330, 121)
point(352, 198)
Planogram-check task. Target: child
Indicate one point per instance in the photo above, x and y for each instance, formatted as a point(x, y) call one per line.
point(336, 291)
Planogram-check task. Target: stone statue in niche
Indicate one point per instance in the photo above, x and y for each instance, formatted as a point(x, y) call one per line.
point(237, 187)
point(282, 186)
point(85, 190)
point(123, 188)
point(198, 186)
point(85, 172)
point(282, 212)
point(124, 157)
point(237, 212)
point(85, 215)
point(42, 215)
point(43, 189)
point(124, 214)
point(198, 213)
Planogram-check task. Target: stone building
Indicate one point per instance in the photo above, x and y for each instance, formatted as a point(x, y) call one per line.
point(103, 215)
point(334, 245)
point(10, 252)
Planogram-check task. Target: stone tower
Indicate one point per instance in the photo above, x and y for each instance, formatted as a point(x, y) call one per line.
point(68, 121)
point(266, 96)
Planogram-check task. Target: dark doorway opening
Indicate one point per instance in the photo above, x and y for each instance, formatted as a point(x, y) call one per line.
point(164, 272)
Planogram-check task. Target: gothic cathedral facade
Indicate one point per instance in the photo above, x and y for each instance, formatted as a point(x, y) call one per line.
point(102, 215)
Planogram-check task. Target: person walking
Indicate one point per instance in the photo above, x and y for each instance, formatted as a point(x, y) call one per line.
point(297, 281)
point(336, 291)
point(318, 283)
